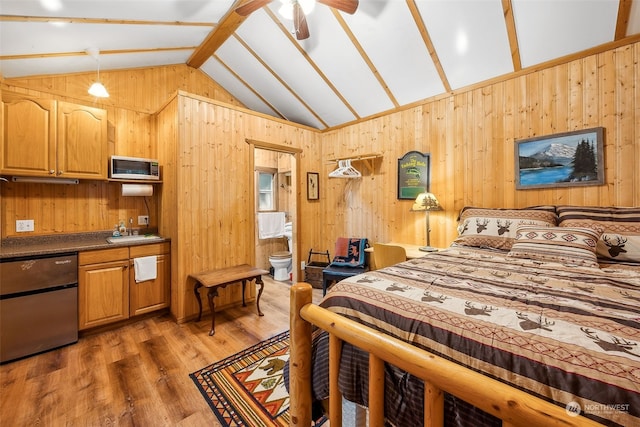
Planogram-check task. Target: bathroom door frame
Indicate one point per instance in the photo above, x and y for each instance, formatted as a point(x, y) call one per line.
point(295, 174)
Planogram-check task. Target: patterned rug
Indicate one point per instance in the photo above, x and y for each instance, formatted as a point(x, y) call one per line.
point(247, 389)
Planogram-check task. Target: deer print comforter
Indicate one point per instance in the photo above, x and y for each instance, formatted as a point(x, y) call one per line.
point(567, 334)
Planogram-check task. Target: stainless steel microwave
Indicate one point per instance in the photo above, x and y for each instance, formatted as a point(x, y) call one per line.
point(121, 167)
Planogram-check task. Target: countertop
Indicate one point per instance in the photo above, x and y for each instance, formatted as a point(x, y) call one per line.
point(13, 247)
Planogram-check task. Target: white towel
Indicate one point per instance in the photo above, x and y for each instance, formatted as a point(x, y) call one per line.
point(145, 268)
point(270, 224)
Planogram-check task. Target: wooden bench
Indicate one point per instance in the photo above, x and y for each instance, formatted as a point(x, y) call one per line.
point(220, 278)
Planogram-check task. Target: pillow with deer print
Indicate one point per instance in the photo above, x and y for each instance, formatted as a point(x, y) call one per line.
point(620, 241)
point(564, 245)
point(496, 228)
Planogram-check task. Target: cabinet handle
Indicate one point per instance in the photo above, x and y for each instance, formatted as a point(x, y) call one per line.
point(51, 171)
point(124, 267)
point(60, 173)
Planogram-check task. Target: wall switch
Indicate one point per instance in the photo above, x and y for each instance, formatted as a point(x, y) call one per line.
point(23, 225)
point(143, 220)
point(302, 265)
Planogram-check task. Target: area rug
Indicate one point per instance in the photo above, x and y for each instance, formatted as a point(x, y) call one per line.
point(247, 389)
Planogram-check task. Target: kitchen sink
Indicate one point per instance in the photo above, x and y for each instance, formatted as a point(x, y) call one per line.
point(129, 239)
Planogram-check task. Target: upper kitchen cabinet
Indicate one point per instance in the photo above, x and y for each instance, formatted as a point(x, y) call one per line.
point(43, 137)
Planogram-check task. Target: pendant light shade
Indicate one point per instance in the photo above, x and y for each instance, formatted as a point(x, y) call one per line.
point(97, 89)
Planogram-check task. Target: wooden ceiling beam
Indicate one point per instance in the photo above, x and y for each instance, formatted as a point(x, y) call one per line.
point(225, 29)
point(510, 22)
point(426, 38)
point(624, 12)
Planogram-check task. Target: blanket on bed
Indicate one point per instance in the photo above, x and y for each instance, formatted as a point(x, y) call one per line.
point(563, 333)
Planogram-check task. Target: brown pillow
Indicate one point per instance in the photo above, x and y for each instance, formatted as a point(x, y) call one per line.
point(496, 228)
point(620, 240)
point(565, 245)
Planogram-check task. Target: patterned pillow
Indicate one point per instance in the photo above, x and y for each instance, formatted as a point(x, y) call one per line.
point(621, 238)
point(496, 228)
point(349, 252)
point(618, 247)
point(566, 245)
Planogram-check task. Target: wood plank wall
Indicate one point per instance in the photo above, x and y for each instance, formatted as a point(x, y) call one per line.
point(207, 205)
point(470, 137)
point(96, 206)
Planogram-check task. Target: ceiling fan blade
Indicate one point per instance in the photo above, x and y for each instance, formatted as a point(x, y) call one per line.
point(300, 22)
point(347, 6)
point(251, 7)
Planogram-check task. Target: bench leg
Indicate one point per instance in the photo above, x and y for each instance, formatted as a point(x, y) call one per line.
point(195, 291)
point(244, 286)
point(213, 292)
point(259, 282)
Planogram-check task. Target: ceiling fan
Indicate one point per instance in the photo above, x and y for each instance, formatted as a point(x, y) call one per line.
point(298, 11)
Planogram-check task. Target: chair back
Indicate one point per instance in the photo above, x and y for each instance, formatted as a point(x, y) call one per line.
point(385, 255)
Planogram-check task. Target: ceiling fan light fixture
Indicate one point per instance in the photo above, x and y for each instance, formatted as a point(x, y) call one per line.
point(286, 9)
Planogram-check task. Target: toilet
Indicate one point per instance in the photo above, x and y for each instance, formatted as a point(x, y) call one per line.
point(281, 261)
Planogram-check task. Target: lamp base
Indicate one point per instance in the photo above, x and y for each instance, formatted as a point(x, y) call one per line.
point(428, 249)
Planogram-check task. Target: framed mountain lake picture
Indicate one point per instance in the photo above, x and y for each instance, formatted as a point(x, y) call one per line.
point(561, 160)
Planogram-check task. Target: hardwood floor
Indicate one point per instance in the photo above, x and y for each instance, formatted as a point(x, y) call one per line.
point(138, 374)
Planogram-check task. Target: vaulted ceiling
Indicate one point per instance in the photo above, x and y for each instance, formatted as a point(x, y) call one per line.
point(389, 54)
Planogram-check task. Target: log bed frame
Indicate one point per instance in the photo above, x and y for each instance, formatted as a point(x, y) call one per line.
point(514, 407)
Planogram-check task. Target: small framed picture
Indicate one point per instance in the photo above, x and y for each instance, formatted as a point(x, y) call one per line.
point(413, 174)
point(313, 186)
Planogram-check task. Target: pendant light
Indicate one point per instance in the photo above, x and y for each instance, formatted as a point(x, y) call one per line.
point(97, 89)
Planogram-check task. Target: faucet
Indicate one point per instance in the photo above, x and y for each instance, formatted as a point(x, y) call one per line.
point(130, 231)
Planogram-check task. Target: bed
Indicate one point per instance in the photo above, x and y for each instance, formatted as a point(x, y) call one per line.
point(532, 319)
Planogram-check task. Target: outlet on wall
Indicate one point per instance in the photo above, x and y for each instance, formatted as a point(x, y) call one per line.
point(23, 225)
point(143, 220)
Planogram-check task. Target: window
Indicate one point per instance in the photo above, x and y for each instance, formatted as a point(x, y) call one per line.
point(267, 184)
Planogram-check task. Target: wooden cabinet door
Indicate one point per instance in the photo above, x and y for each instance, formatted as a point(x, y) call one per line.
point(82, 142)
point(103, 293)
point(28, 137)
point(151, 295)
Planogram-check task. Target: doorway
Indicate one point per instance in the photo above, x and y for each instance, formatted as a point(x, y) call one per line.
point(275, 190)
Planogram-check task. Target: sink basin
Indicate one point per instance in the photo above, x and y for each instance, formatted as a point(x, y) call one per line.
point(129, 239)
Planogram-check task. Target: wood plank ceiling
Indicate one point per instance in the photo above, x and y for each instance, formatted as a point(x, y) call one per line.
point(390, 54)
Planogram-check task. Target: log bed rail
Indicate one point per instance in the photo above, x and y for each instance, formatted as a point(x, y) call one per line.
point(514, 407)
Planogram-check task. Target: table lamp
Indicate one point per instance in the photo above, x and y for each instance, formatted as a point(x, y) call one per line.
point(426, 202)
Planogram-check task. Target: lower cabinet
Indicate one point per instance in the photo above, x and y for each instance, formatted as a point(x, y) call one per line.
point(107, 288)
point(103, 287)
point(150, 295)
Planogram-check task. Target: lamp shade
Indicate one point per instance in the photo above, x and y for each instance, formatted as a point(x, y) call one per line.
point(98, 90)
point(426, 202)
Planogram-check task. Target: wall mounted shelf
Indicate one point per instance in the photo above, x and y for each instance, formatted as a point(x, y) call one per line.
point(367, 159)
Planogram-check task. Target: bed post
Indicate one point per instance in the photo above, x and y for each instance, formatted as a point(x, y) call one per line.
point(300, 357)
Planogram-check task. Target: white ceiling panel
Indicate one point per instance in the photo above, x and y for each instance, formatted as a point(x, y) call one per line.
point(218, 72)
point(264, 83)
point(470, 38)
point(548, 29)
point(340, 61)
point(293, 68)
point(398, 52)
point(378, 62)
point(74, 64)
point(16, 37)
point(634, 21)
point(144, 10)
